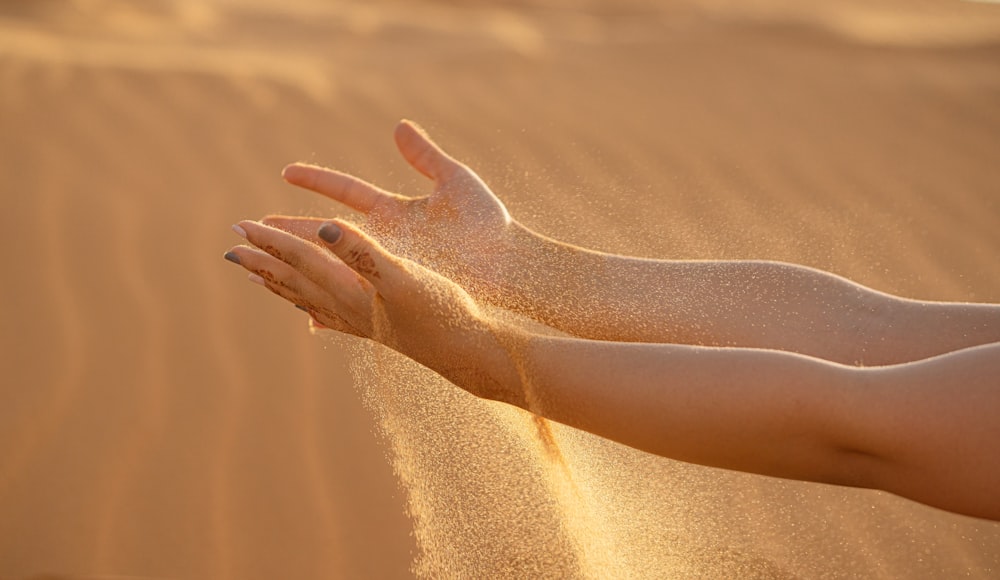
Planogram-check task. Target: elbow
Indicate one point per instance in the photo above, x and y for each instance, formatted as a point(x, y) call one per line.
point(858, 441)
point(858, 468)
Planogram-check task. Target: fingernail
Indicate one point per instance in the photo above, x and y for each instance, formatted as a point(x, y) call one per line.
point(232, 257)
point(256, 279)
point(240, 231)
point(329, 232)
point(302, 308)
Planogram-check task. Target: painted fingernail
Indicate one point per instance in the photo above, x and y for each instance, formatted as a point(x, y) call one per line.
point(329, 232)
point(302, 308)
point(232, 257)
point(240, 231)
point(256, 279)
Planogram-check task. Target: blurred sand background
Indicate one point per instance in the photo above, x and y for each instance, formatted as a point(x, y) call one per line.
point(160, 417)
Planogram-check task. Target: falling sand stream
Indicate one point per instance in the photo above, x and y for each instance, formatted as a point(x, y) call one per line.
point(162, 418)
point(494, 490)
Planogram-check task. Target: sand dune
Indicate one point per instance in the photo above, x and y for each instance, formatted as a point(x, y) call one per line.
point(159, 417)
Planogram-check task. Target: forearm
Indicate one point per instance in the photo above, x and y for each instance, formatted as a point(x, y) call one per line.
point(775, 413)
point(763, 412)
point(750, 304)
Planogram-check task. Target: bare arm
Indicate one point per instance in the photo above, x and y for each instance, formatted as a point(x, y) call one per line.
point(925, 430)
point(463, 231)
point(752, 304)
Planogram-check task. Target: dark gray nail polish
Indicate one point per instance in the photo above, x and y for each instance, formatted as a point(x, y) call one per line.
point(329, 232)
point(232, 257)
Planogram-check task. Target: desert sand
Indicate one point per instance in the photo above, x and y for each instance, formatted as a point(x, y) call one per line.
point(162, 418)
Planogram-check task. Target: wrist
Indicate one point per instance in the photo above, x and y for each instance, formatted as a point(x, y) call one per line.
point(487, 361)
point(524, 264)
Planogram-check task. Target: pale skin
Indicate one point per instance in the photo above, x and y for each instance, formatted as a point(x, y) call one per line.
point(762, 367)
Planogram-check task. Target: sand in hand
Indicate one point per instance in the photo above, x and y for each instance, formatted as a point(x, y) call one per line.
point(161, 418)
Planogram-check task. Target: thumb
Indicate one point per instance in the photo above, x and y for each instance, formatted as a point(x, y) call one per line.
point(423, 153)
point(360, 252)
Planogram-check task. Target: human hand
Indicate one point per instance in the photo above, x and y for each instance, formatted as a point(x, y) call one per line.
point(349, 282)
point(461, 229)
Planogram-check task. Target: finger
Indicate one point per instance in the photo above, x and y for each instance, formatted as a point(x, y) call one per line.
point(277, 275)
point(317, 265)
point(423, 153)
point(288, 283)
point(347, 189)
point(303, 227)
point(363, 255)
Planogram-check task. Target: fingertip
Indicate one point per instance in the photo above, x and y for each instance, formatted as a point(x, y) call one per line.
point(295, 173)
point(407, 131)
point(403, 128)
point(245, 227)
point(411, 124)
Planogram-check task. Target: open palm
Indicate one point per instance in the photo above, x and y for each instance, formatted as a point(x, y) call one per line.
point(461, 230)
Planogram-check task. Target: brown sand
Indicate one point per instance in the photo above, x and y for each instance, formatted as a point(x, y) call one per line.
point(160, 417)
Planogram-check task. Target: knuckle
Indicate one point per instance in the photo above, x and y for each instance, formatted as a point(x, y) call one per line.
point(272, 250)
point(278, 279)
point(360, 258)
point(293, 259)
point(354, 189)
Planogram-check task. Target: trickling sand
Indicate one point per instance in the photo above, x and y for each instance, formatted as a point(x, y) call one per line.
point(162, 418)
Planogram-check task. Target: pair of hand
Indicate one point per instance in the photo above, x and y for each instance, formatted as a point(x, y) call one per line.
point(386, 286)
